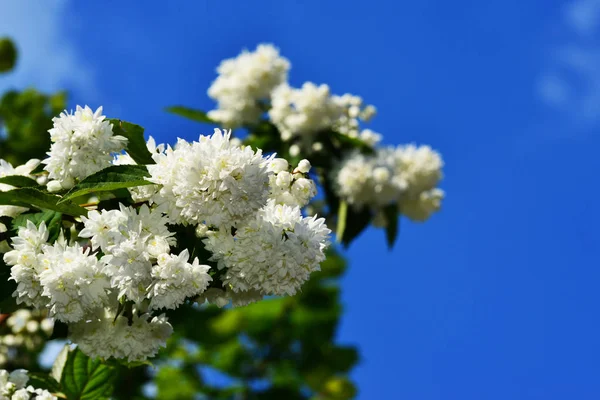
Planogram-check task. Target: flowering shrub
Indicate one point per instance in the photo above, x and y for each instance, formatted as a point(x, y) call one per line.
point(111, 235)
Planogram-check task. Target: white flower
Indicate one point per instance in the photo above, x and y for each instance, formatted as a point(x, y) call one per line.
point(26, 263)
point(12, 387)
point(244, 81)
point(19, 378)
point(174, 280)
point(405, 175)
point(307, 111)
point(82, 144)
point(6, 169)
point(274, 253)
point(73, 280)
point(106, 337)
point(210, 181)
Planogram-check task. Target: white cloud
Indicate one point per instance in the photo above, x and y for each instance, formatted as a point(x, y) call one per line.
point(582, 16)
point(48, 59)
point(571, 82)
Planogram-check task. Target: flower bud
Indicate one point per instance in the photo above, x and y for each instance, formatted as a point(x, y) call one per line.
point(303, 166)
point(284, 179)
point(278, 165)
point(53, 186)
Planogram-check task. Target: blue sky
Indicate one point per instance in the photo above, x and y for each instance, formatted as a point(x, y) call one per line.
point(493, 298)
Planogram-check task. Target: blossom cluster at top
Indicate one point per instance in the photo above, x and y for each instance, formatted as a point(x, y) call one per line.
point(255, 83)
point(406, 176)
point(13, 386)
point(114, 278)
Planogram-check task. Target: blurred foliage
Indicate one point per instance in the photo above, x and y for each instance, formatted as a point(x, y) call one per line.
point(280, 348)
point(8, 55)
point(25, 116)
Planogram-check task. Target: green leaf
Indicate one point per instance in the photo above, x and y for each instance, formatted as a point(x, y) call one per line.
point(136, 144)
point(29, 197)
point(18, 181)
point(110, 179)
point(190, 113)
point(59, 364)
point(341, 220)
point(356, 222)
point(52, 219)
point(43, 381)
point(84, 378)
point(392, 220)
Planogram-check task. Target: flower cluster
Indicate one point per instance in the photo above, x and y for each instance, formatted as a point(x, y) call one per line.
point(211, 181)
point(273, 254)
point(235, 196)
point(13, 386)
point(244, 82)
point(25, 331)
point(136, 267)
point(406, 175)
point(256, 82)
point(82, 144)
point(116, 274)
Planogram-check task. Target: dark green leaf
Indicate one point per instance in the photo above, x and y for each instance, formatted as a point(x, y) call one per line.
point(43, 381)
point(136, 144)
point(52, 219)
point(356, 222)
point(190, 113)
point(392, 220)
point(29, 197)
point(84, 378)
point(18, 181)
point(110, 179)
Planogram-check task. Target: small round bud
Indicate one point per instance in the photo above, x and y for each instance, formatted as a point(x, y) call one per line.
point(278, 164)
point(54, 186)
point(303, 166)
point(284, 179)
